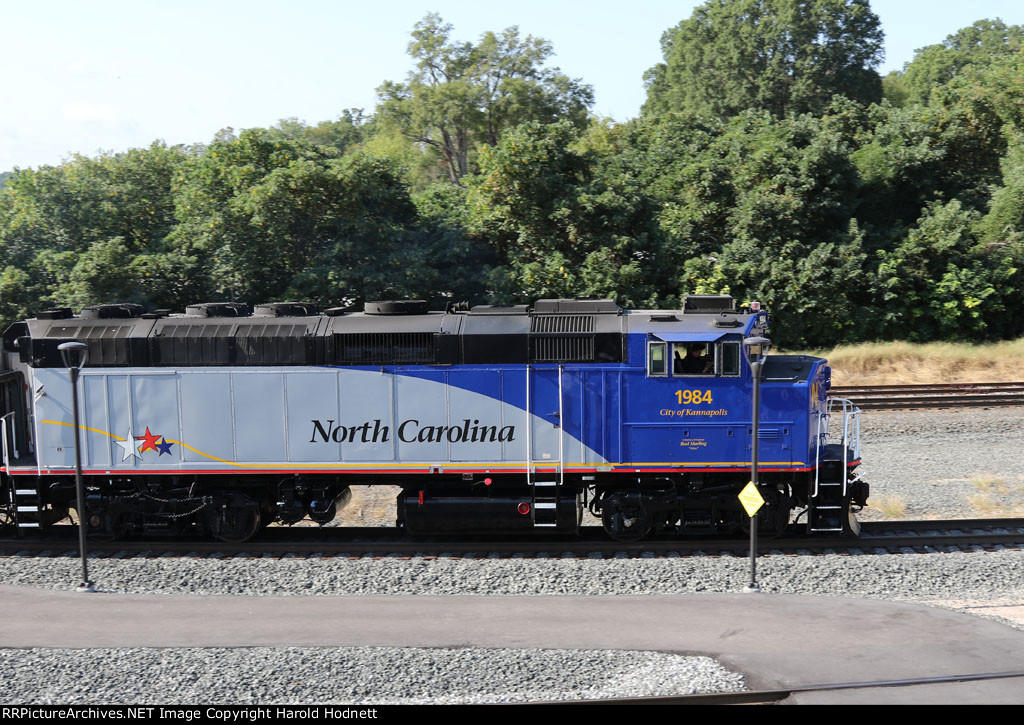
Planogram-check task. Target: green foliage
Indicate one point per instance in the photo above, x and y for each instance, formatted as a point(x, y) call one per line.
point(782, 56)
point(938, 284)
point(281, 218)
point(565, 230)
point(983, 43)
point(462, 95)
point(75, 233)
point(350, 130)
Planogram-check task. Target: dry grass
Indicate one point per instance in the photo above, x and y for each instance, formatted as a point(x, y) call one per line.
point(994, 496)
point(907, 363)
point(892, 506)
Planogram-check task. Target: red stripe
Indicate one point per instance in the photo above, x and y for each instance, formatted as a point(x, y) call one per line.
point(417, 471)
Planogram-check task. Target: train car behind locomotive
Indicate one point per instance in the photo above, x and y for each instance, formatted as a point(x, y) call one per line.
point(491, 419)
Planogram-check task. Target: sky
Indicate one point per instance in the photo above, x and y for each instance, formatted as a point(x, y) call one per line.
point(108, 75)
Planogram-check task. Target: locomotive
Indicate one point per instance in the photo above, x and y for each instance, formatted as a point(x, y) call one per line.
point(491, 419)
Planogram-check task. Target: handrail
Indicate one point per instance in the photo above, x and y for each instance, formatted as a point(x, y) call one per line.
point(850, 436)
point(3, 432)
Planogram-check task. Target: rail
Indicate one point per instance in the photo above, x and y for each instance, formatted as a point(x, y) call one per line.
point(946, 395)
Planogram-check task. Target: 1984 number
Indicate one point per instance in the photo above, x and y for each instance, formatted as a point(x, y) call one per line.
point(687, 397)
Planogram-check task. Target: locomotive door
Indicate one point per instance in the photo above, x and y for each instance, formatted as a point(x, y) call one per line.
point(13, 412)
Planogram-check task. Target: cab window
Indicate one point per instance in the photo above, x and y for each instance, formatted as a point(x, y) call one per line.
point(656, 363)
point(730, 359)
point(693, 358)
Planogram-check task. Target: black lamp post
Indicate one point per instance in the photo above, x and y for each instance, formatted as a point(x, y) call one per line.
point(756, 346)
point(74, 355)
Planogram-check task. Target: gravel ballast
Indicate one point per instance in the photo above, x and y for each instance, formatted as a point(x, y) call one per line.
point(950, 463)
point(891, 576)
point(939, 464)
point(350, 675)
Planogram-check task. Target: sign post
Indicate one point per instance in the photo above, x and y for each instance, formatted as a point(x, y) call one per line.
point(750, 497)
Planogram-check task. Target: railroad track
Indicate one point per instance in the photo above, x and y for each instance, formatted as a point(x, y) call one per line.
point(949, 395)
point(876, 537)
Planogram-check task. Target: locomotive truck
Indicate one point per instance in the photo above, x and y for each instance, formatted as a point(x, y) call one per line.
point(490, 419)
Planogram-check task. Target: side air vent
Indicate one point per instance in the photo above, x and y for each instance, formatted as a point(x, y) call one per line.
point(562, 348)
point(228, 343)
point(108, 345)
point(286, 309)
point(396, 307)
point(218, 309)
point(112, 312)
point(562, 323)
point(379, 348)
point(703, 304)
point(562, 338)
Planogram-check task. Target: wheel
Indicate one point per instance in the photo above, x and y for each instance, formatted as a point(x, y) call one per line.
point(238, 520)
point(624, 522)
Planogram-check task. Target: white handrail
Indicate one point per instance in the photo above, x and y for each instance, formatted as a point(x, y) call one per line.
point(3, 432)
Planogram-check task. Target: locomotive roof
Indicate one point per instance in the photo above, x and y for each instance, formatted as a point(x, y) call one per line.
point(297, 333)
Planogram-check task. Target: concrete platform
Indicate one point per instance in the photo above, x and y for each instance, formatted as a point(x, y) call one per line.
point(777, 641)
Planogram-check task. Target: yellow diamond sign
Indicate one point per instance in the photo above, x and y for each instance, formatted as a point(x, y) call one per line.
point(751, 499)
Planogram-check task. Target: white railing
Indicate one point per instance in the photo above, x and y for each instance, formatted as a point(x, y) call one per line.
point(850, 439)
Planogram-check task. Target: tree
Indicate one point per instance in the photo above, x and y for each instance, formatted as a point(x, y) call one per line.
point(349, 130)
point(461, 95)
point(565, 228)
point(982, 43)
point(271, 218)
point(937, 283)
point(106, 217)
point(783, 56)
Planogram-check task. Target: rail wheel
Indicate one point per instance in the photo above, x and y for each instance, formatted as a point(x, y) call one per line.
point(238, 519)
point(625, 521)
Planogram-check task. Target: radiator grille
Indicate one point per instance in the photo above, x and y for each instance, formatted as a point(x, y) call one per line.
point(380, 348)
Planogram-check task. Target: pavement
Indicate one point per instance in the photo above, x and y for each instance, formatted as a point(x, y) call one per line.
point(777, 641)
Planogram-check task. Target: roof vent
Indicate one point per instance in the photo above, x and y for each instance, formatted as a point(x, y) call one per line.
point(396, 307)
point(499, 310)
point(218, 309)
point(112, 312)
point(576, 307)
point(59, 313)
point(286, 309)
point(704, 304)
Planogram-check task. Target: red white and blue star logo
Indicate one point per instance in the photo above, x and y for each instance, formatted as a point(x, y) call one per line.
point(150, 442)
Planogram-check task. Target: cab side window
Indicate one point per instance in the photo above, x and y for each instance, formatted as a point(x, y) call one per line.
point(693, 358)
point(730, 359)
point(657, 365)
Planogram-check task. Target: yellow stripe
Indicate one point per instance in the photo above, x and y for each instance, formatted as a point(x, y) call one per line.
point(83, 427)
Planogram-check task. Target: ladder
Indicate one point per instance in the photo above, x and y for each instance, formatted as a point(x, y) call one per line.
point(24, 503)
point(828, 507)
point(544, 492)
